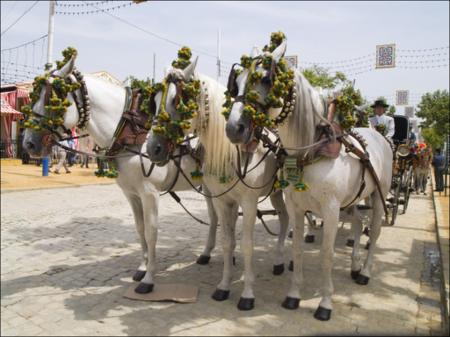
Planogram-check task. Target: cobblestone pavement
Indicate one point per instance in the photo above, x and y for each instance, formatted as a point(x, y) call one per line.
point(67, 256)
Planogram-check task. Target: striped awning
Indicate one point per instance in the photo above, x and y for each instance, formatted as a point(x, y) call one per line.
point(8, 109)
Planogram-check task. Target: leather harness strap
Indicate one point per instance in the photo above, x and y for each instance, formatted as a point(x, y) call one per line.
point(365, 161)
point(131, 129)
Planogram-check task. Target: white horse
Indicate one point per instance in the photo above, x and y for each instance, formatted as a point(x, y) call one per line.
point(333, 182)
point(220, 160)
point(107, 102)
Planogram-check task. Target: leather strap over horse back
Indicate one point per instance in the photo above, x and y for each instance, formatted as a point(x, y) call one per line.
point(131, 129)
point(365, 161)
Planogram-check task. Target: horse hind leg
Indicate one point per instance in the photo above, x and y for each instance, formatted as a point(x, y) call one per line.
point(277, 201)
point(211, 242)
point(375, 229)
point(356, 222)
point(138, 214)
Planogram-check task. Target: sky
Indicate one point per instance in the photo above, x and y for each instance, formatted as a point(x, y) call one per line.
point(316, 32)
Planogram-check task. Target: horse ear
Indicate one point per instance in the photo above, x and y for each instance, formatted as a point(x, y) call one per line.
point(278, 53)
point(189, 70)
point(255, 52)
point(66, 69)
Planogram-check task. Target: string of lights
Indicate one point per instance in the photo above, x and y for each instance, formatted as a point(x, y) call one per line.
point(22, 65)
point(421, 50)
point(79, 4)
point(95, 11)
point(25, 44)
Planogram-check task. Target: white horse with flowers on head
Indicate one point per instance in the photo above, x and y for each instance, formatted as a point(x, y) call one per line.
point(97, 105)
point(192, 103)
point(319, 184)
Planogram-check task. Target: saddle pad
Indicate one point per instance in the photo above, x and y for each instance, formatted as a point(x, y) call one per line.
point(176, 292)
point(331, 150)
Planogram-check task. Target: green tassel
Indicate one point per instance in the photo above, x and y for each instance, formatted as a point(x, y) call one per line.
point(197, 174)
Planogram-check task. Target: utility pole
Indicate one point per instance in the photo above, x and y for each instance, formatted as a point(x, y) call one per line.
point(51, 26)
point(154, 67)
point(218, 54)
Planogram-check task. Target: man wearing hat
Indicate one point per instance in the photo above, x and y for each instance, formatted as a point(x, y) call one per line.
point(382, 123)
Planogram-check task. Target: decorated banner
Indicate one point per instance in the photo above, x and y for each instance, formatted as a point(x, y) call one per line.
point(386, 56)
point(409, 111)
point(402, 97)
point(292, 61)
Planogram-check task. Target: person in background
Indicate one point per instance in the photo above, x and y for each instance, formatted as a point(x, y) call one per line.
point(439, 168)
point(62, 154)
point(421, 165)
point(380, 122)
point(85, 146)
point(71, 155)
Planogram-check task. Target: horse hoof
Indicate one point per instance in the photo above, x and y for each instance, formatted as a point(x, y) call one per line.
point(367, 246)
point(144, 288)
point(362, 280)
point(290, 234)
point(350, 243)
point(203, 259)
point(291, 266)
point(278, 269)
point(366, 231)
point(291, 303)
point(246, 303)
point(309, 238)
point(322, 314)
point(139, 275)
point(221, 295)
point(354, 274)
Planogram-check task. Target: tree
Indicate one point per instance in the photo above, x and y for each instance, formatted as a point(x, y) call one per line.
point(137, 83)
point(391, 111)
point(319, 77)
point(434, 109)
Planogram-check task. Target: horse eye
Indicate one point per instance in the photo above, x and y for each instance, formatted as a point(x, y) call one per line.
point(266, 80)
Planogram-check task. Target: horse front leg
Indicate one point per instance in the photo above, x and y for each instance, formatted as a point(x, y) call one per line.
point(138, 214)
point(297, 217)
point(277, 201)
point(227, 218)
point(330, 213)
point(213, 220)
point(247, 300)
point(150, 205)
point(375, 229)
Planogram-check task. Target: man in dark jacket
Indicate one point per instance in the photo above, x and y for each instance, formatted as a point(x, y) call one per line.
point(439, 168)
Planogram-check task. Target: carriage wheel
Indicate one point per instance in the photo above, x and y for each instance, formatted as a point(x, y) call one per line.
point(394, 203)
point(408, 184)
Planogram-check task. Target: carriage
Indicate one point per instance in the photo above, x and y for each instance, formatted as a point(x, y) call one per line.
point(402, 177)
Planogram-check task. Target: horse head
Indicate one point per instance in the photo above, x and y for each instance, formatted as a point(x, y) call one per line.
point(52, 112)
point(173, 108)
point(250, 93)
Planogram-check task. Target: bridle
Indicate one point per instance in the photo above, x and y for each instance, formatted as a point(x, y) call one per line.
point(82, 105)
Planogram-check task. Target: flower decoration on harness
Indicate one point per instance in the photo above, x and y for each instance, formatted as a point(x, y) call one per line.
point(56, 103)
point(345, 105)
point(186, 102)
point(280, 93)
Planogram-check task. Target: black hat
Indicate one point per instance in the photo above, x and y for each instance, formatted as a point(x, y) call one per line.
point(380, 102)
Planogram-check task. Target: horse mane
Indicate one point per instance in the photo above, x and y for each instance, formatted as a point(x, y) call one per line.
point(300, 127)
point(220, 154)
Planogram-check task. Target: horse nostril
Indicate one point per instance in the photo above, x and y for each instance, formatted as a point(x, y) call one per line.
point(30, 145)
point(158, 150)
point(240, 128)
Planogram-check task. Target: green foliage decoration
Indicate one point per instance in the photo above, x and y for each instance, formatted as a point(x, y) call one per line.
point(58, 102)
point(283, 82)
